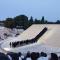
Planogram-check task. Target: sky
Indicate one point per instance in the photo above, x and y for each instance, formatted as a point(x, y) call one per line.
point(50, 9)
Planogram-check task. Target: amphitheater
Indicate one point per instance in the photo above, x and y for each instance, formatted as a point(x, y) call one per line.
point(48, 42)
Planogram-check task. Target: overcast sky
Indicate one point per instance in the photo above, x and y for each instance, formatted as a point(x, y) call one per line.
point(36, 8)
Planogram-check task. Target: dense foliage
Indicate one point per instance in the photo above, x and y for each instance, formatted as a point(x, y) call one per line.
point(24, 22)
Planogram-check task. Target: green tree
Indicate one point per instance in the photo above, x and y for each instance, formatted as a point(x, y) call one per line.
point(37, 21)
point(42, 20)
point(21, 20)
point(31, 21)
point(9, 23)
point(45, 21)
point(58, 22)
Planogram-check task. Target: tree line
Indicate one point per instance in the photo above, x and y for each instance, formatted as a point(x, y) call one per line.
point(22, 21)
